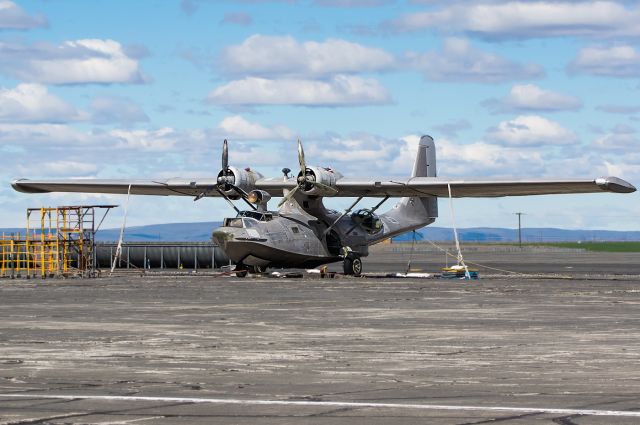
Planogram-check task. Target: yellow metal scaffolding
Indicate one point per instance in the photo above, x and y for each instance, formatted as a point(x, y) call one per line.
point(57, 242)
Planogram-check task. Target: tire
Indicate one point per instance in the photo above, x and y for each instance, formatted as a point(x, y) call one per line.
point(241, 273)
point(352, 265)
point(258, 269)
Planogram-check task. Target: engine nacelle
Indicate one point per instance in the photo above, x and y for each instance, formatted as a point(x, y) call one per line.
point(244, 179)
point(325, 177)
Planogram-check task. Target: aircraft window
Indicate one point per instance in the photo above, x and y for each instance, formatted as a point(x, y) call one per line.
point(367, 220)
point(249, 222)
point(257, 215)
point(233, 222)
point(295, 230)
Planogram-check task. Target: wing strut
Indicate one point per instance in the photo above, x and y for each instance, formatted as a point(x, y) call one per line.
point(226, 198)
point(378, 205)
point(455, 234)
point(124, 224)
point(347, 211)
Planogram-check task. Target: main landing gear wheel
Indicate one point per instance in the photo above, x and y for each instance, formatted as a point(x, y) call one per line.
point(241, 270)
point(352, 265)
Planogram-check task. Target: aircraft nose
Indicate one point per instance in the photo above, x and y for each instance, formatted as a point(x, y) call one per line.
point(222, 237)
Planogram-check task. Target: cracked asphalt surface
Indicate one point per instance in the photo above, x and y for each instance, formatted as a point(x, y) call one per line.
point(571, 343)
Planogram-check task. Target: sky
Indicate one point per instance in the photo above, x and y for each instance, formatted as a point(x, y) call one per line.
point(150, 88)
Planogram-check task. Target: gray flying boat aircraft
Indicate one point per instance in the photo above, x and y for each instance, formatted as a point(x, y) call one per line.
point(302, 232)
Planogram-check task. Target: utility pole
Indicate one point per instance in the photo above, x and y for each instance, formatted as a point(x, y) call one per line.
point(519, 214)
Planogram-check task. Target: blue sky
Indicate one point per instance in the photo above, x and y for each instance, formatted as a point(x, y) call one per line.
point(149, 89)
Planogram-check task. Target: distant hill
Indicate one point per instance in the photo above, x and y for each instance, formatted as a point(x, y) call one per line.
point(201, 232)
point(182, 232)
point(491, 234)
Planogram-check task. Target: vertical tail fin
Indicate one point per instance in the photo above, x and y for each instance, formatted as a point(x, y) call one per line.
point(425, 166)
point(415, 211)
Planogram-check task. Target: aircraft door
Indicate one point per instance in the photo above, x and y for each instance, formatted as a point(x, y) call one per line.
point(334, 244)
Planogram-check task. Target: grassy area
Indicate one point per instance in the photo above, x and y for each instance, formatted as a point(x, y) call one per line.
point(596, 246)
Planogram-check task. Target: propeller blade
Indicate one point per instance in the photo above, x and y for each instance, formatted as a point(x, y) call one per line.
point(225, 157)
point(303, 165)
point(287, 196)
point(323, 186)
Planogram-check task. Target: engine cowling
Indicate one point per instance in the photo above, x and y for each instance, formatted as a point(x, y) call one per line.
point(244, 179)
point(325, 177)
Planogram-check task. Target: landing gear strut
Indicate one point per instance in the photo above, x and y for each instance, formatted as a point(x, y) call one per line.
point(352, 264)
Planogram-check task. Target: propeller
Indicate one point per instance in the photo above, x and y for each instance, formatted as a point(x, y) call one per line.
point(303, 170)
point(306, 178)
point(225, 156)
point(226, 181)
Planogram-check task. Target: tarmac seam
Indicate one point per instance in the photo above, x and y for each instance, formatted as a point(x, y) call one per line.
point(338, 404)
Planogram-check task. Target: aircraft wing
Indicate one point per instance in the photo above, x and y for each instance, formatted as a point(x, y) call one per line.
point(346, 187)
point(461, 188)
point(181, 187)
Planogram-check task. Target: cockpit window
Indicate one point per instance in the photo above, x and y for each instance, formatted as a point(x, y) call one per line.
point(232, 222)
point(258, 215)
point(367, 220)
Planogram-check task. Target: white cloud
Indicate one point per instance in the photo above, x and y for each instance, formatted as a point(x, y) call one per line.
point(486, 159)
point(13, 17)
point(618, 141)
point(41, 135)
point(237, 127)
point(113, 109)
point(459, 61)
point(531, 130)
point(623, 169)
point(285, 56)
point(366, 152)
point(163, 139)
point(64, 168)
point(72, 62)
point(341, 90)
point(616, 61)
point(525, 19)
point(620, 109)
point(33, 103)
point(529, 97)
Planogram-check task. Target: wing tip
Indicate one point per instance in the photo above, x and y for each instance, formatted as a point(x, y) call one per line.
point(426, 140)
point(22, 185)
point(615, 184)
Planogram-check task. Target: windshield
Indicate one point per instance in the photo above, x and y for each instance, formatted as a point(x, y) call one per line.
point(258, 215)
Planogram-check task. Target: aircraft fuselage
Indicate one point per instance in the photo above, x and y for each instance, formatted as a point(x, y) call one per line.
point(268, 239)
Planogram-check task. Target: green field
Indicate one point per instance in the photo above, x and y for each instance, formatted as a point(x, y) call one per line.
point(596, 246)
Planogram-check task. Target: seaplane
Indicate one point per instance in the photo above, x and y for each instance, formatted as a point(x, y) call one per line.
point(302, 232)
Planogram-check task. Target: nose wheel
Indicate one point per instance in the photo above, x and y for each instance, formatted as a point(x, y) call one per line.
point(352, 264)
